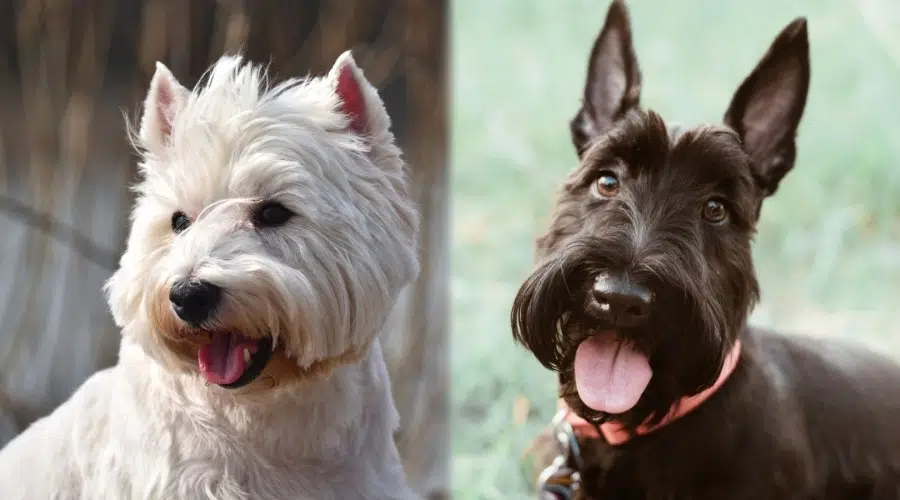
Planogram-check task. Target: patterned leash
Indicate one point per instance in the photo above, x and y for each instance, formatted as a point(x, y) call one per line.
point(561, 480)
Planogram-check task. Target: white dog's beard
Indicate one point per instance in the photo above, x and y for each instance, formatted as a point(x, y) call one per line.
point(232, 360)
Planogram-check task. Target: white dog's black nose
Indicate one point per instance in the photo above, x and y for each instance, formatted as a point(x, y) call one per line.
point(194, 301)
point(621, 302)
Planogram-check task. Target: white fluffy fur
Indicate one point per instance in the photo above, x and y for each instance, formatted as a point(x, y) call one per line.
point(324, 285)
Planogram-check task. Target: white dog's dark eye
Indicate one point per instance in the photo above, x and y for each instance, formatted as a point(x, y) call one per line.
point(271, 214)
point(180, 222)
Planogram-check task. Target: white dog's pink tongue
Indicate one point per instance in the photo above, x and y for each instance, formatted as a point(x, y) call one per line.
point(222, 360)
point(610, 376)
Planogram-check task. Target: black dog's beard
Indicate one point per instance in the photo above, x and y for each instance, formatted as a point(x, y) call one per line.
point(686, 340)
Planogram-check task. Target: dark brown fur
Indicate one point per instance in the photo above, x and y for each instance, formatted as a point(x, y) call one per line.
point(798, 418)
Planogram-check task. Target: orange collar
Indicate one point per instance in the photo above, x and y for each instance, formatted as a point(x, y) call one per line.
point(615, 434)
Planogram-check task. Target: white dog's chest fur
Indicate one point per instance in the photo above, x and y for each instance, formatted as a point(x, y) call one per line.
point(129, 436)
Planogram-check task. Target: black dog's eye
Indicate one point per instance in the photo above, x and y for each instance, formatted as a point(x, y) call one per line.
point(714, 211)
point(271, 214)
point(606, 186)
point(180, 222)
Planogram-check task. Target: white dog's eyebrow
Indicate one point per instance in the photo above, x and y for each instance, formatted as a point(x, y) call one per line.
point(226, 202)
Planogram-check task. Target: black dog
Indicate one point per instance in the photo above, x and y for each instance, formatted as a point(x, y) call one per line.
point(642, 292)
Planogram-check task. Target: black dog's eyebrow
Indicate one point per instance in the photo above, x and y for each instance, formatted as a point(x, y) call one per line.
point(592, 165)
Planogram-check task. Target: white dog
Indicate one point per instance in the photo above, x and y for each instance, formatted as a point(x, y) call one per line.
point(271, 239)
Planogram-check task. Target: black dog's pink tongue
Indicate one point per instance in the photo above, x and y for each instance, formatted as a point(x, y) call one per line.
point(610, 376)
point(223, 361)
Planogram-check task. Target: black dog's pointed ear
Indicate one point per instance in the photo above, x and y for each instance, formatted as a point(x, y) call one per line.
point(767, 107)
point(613, 80)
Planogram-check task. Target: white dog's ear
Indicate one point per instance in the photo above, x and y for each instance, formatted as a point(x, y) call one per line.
point(359, 99)
point(165, 99)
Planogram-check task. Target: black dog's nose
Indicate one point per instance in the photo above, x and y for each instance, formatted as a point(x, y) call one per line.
point(621, 302)
point(194, 301)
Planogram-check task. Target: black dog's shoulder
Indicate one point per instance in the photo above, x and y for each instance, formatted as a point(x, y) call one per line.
point(847, 362)
point(834, 381)
point(847, 373)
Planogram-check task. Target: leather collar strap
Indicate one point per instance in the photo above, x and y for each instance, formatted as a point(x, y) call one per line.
point(615, 434)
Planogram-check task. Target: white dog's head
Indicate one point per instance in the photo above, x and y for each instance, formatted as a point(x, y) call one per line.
point(272, 230)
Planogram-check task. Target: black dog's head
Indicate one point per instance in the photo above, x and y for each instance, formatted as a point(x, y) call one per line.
point(645, 277)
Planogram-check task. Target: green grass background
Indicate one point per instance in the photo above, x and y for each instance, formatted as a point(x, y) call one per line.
point(828, 248)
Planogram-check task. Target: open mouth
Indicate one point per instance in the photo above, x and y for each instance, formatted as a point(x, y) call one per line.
point(610, 374)
point(231, 360)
